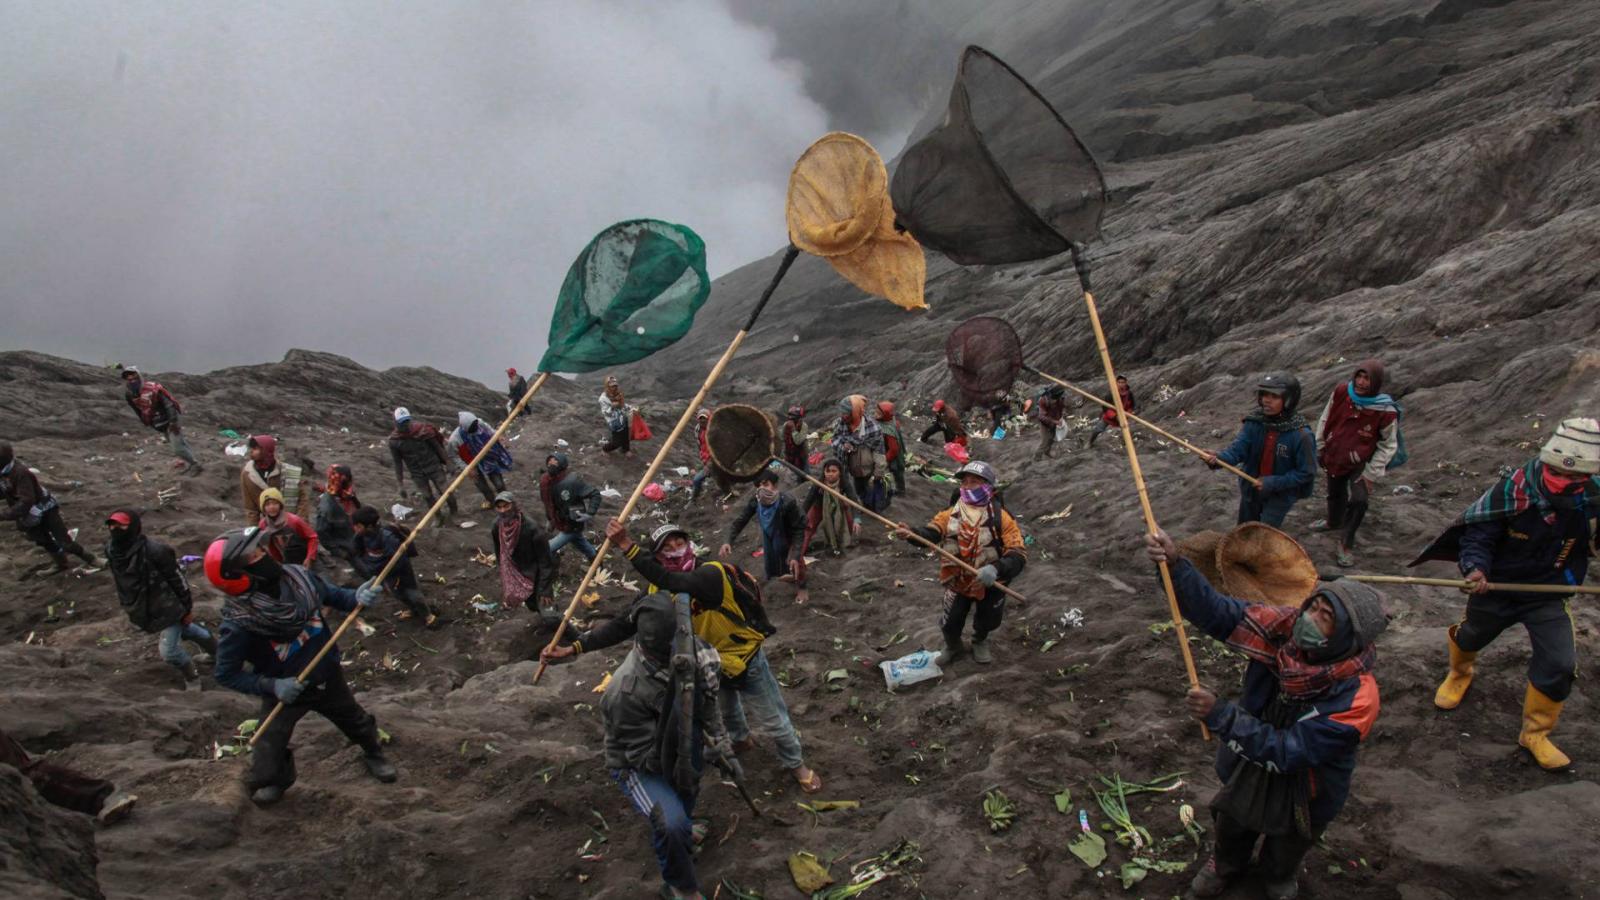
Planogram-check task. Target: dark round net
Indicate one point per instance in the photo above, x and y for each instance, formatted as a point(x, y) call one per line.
point(742, 440)
point(984, 355)
point(1004, 179)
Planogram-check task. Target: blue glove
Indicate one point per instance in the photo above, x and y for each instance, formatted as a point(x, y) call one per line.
point(369, 593)
point(987, 575)
point(287, 689)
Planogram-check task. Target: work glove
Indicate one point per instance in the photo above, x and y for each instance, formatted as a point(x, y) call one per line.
point(369, 593)
point(287, 689)
point(579, 516)
point(987, 575)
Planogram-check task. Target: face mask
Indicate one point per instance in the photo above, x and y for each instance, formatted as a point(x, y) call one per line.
point(767, 496)
point(265, 572)
point(682, 561)
point(553, 469)
point(1307, 634)
point(134, 385)
point(977, 496)
point(1557, 483)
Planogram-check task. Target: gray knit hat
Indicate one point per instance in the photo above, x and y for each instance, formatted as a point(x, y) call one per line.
point(1364, 606)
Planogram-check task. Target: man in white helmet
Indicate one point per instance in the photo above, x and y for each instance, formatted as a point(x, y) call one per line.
point(1531, 527)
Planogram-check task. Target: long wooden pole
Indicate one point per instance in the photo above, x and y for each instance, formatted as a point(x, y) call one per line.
point(1156, 428)
point(401, 553)
point(661, 455)
point(892, 524)
point(1463, 583)
point(1138, 474)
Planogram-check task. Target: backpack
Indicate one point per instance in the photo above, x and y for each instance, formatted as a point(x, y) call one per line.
point(404, 534)
point(746, 589)
point(860, 462)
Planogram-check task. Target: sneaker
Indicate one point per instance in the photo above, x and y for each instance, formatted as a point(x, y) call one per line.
point(380, 768)
point(1321, 525)
point(1282, 890)
point(980, 652)
point(1207, 883)
point(486, 505)
point(117, 808)
point(431, 621)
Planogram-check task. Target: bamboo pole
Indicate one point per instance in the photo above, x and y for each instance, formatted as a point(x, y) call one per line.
point(1156, 428)
point(661, 455)
point(401, 553)
point(1138, 474)
point(915, 537)
point(1464, 584)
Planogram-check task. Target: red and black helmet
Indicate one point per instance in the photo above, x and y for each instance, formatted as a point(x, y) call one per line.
point(225, 559)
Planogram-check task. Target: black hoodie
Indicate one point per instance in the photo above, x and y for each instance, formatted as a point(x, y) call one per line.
point(149, 582)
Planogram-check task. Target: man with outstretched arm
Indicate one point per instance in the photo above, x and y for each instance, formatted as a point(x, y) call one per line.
point(1287, 747)
point(272, 622)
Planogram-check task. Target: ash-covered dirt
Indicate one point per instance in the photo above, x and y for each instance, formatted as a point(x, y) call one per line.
point(1295, 185)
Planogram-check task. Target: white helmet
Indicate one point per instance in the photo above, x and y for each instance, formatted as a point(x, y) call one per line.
point(1575, 447)
point(401, 414)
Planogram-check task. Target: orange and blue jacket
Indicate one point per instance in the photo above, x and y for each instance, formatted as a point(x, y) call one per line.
point(1324, 740)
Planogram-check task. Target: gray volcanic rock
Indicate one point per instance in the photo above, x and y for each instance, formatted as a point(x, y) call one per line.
point(46, 853)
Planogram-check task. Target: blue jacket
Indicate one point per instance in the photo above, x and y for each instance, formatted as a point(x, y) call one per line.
point(1324, 741)
point(373, 550)
point(1294, 465)
point(237, 647)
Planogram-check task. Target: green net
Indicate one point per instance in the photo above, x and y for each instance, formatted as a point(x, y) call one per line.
point(632, 291)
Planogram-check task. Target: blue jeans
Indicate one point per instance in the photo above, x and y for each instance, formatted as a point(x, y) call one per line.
point(759, 690)
point(1270, 509)
point(172, 643)
point(576, 539)
point(671, 824)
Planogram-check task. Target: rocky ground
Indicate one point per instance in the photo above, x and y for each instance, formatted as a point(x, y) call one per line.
point(1295, 185)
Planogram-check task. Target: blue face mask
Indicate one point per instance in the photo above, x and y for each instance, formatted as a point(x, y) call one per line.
point(977, 496)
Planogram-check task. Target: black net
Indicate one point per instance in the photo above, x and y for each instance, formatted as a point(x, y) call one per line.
point(984, 355)
point(742, 440)
point(1004, 179)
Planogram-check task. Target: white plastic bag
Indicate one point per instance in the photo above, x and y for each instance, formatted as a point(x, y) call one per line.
point(919, 666)
point(399, 512)
point(1061, 430)
point(236, 448)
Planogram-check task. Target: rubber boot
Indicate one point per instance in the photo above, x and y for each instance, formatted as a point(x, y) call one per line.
point(191, 677)
point(1455, 684)
point(379, 767)
point(980, 652)
point(953, 650)
point(1282, 890)
point(1539, 716)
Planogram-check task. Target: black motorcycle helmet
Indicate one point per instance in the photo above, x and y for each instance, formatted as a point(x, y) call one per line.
point(560, 460)
point(1284, 385)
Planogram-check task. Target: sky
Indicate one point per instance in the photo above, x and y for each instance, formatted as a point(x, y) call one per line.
point(186, 185)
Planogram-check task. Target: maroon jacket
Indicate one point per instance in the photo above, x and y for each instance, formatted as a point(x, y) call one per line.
point(1351, 439)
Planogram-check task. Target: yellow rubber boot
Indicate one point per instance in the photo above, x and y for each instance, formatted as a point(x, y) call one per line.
point(1449, 694)
point(1539, 716)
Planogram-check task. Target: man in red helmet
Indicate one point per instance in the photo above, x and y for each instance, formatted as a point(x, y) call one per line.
point(517, 386)
point(273, 621)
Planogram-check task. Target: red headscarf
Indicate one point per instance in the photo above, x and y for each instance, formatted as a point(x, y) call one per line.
point(342, 485)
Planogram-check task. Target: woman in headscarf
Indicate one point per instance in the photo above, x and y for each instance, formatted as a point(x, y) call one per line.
point(263, 470)
point(1358, 442)
point(339, 502)
point(858, 442)
point(617, 414)
point(827, 515)
point(527, 567)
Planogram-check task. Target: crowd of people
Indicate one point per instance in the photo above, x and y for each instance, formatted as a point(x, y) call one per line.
point(1288, 742)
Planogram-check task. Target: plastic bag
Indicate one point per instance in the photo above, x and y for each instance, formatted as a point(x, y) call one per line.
point(237, 448)
point(910, 669)
point(655, 491)
point(957, 452)
point(1061, 430)
point(999, 433)
point(641, 431)
point(399, 511)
